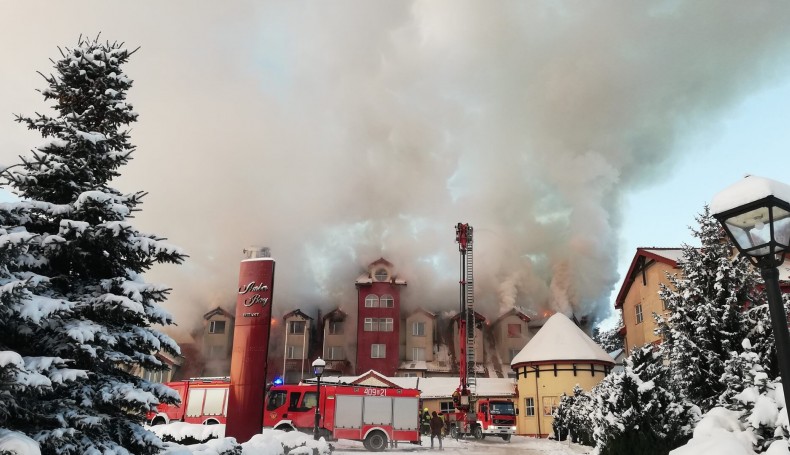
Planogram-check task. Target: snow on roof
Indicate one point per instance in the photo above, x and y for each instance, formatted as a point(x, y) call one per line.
point(560, 339)
point(673, 254)
point(749, 189)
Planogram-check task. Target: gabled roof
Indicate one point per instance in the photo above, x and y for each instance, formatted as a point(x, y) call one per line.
point(336, 315)
point(367, 277)
point(560, 339)
point(423, 311)
point(373, 377)
point(514, 311)
point(217, 311)
point(643, 258)
point(478, 317)
point(296, 312)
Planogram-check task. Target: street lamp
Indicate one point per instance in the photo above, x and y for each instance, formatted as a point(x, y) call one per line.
point(318, 369)
point(756, 215)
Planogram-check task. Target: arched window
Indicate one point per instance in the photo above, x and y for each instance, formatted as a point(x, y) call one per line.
point(387, 301)
point(381, 275)
point(372, 301)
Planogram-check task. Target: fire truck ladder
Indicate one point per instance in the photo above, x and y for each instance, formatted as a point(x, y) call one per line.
point(465, 239)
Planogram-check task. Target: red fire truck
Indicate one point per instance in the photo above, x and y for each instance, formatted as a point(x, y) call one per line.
point(374, 415)
point(203, 401)
point(473, 416)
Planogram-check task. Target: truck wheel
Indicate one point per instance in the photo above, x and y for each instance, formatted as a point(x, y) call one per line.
point(158, 421)
point(506, 437)
point(454, 432)
point(376, 441)
point(477, 432)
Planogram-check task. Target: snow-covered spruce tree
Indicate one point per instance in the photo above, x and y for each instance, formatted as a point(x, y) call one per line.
point(636, 412)
point(610, 340)
point(756, 397)
point(75, 290)
point(572, 418)
point(705, 321)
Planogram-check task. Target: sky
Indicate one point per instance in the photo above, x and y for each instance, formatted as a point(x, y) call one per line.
point(566, 133)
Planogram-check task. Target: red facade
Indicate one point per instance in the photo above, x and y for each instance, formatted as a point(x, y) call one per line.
point(250, 348)
point(378, 320)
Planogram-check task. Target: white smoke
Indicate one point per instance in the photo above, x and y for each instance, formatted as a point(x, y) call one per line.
point(337, 133)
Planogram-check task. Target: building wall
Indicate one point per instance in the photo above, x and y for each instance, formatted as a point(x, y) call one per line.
point(388, 364)
point(296, 352)
point(217, 345)
point(545, 389)
point(507, 341)
point(424, 341)
point(644, 293)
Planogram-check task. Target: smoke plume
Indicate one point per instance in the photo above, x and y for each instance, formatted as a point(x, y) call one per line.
point(340, 132)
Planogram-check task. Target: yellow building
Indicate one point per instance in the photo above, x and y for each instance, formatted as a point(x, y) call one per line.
point(559, 357)
point(638, 297)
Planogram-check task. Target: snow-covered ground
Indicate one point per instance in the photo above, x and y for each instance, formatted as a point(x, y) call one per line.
point(488, 446)
point(271, 441)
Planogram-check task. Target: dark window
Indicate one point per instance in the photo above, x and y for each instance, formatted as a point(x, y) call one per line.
point(293, 401)
point(216, 327)
point(335, 327)
point(296, 327)
point(387, 301)
point(381, 275)
point(276, 399)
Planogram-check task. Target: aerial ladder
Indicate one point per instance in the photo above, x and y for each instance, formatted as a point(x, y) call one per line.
point(465, 396)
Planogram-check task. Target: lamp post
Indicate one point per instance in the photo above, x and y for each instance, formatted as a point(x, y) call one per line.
point(318, 369)
point(755, 213)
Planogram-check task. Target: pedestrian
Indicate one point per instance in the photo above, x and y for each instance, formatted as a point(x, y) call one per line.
point(436, 429)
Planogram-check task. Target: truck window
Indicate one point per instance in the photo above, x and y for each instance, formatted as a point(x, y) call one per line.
point(310, 400)
point(293, 402)
point(215, 399)
point(503, 408)
point(276, 399)
point(195, 402)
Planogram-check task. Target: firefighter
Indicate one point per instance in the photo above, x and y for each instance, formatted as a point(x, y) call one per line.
point(426, 422)
point(437, 425)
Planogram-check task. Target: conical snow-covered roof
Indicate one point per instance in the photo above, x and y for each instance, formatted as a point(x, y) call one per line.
point(561, 339)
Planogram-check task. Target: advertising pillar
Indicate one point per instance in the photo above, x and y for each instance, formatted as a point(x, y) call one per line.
point(250, 348)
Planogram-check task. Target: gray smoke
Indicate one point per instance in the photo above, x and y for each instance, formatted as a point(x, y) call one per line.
point(340, 132)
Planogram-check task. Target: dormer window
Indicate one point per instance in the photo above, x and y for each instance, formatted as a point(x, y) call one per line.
point(381, 275)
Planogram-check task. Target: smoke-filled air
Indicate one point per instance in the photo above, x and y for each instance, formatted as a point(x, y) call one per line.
point(339, 132)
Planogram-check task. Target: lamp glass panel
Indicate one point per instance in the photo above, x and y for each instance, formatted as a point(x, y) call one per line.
point(751, 230)
point(781, 226)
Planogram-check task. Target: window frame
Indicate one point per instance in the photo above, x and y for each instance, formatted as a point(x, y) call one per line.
point(380, 349)
point(415, 331)
point(336, 327)
point(212, 326)
point(512, 333)
point(639, 317)
point(369, 301)
point(529, 407)
point(415, 350)
point(331, 353)
point(292, 327)
point(386, 301)
point(381, 275)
